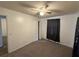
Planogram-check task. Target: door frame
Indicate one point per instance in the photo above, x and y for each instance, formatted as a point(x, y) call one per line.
point(38, 29)
point(3, 16)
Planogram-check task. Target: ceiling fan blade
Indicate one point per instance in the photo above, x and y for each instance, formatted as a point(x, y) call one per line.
point(33, 8)
point(47, 3)
point(49, 12)
point(55, 10)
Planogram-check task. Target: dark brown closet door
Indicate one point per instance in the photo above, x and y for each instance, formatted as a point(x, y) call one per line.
point(53, 29)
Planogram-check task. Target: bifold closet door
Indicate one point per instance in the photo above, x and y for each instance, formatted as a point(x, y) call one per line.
point(53, 29)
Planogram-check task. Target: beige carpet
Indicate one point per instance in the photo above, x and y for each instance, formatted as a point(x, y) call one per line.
point(42, 48)
point(3, 51)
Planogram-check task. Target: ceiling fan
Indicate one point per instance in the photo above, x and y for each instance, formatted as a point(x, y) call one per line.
point(42, 10)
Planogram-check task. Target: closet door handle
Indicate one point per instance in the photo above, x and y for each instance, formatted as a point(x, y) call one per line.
point(76, 40)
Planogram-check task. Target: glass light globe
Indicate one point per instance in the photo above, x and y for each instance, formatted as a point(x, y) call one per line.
point(41, 13)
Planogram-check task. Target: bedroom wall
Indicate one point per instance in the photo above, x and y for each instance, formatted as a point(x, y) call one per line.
point(22, 29)
point(67, 28)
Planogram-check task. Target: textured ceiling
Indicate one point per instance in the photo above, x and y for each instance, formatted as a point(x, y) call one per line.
point(64, 7)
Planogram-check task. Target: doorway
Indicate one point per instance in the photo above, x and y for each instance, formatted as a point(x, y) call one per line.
point(3, 36)
point(53, 29)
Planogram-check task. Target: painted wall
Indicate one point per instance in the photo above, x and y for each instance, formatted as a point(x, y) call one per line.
point(67, 28)
point(22, 29)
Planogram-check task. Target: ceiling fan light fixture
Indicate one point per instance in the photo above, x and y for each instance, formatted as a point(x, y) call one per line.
point(41, 13)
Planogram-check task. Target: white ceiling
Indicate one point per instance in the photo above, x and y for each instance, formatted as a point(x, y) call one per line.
point(64, 7)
